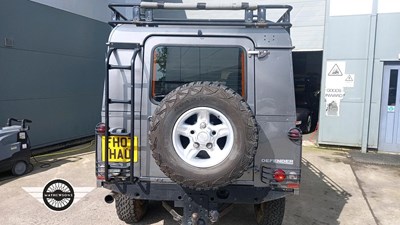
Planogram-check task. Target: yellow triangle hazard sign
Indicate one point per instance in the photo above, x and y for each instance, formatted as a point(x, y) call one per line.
point(335, 71)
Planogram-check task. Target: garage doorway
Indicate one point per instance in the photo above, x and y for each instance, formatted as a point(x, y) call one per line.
point(307, 68)
point(389, 131)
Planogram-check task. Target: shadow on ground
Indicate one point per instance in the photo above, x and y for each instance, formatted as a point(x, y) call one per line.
point(41, 163)
point(320, 202)
point(321, 199)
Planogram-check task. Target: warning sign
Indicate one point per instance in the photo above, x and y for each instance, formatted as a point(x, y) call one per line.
point(335, 74)
point(349, 80)
point(335, 71)
point(333, 96)
point(336, 81)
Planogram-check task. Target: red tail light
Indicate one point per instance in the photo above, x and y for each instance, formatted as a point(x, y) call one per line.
point(294, 134)
point(293, 185)
point(279, 175)
point(101, 128)
point(100, 177)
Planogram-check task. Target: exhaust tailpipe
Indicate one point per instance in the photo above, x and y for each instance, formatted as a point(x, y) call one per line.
point(110, 197)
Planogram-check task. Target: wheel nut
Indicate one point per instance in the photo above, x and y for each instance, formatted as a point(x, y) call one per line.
point(209, 145)
point(196, 145)
point(203, 125)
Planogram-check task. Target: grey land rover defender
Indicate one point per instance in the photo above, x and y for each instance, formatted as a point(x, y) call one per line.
point(199, 114)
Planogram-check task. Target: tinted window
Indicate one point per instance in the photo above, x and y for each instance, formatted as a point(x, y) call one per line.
point(393, 87)
point(175, 66)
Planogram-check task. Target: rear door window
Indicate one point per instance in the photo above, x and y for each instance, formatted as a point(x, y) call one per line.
point(174, 66)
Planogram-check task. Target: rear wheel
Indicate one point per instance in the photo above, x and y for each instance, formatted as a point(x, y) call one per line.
point(271, 212)
point(19, 168)
point(130, 210)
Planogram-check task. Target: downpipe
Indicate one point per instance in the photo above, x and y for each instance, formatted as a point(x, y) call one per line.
point(110, 197)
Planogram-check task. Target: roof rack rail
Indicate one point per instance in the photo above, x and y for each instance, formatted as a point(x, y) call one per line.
point(254, 15)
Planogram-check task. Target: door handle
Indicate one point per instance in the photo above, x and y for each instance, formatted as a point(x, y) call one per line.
point(258, 53)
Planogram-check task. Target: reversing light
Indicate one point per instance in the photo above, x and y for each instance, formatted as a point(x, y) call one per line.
point(114, 172)
point(101, 128)
point(279, 175)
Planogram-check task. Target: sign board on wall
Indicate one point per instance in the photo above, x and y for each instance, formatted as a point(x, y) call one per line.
point(349, 80)
point(333, 96)
point(336, 81)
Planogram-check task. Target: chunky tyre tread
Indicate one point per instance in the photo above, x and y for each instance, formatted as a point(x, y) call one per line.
point(130, 210)
point(270, 213)
point(208, 89)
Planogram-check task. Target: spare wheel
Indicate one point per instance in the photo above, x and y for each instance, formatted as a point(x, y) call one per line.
point(203, 135)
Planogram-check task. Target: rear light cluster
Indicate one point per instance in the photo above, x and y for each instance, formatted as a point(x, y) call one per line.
point(101, 129)
point(287, 181)
point(112, 173)
point(100, 171)
point(295, 135)
point(100, 174)
point(282, 179)
point(280, 176)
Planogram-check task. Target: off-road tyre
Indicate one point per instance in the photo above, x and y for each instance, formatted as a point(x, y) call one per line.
point(271, 212)
point(211, 96)
point(130, 210)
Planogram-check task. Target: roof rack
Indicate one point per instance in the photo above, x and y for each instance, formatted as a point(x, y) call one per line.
point(254, 15)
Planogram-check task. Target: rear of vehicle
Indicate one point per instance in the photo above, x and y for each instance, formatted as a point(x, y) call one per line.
point(201, 114)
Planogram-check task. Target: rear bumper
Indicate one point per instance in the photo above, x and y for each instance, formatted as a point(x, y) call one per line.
point(242, 194)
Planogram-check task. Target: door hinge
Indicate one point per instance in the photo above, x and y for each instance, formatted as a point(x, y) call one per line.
point(258, 53)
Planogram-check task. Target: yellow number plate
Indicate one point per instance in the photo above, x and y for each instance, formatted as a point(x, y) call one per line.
point(119, 148)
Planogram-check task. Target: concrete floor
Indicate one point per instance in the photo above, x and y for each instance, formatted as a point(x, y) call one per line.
point(334, 190)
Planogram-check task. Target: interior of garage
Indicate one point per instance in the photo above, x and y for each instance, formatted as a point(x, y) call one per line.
point(307, 67)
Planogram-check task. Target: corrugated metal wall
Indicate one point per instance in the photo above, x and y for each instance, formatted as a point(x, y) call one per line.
point(53, 71)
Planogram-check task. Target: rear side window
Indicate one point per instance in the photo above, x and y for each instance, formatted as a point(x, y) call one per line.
point(174, 66)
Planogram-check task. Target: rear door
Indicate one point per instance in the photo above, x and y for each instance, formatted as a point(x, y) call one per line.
point(170, 62)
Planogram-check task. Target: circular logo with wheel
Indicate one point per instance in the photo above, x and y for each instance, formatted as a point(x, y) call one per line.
point(58, 195)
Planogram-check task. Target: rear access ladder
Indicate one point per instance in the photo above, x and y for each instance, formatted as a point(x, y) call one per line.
point(112, 48)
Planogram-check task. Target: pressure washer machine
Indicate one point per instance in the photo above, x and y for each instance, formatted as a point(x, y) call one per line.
point(15, 147)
